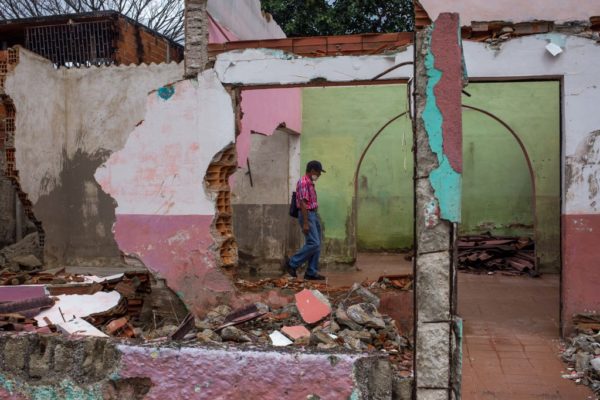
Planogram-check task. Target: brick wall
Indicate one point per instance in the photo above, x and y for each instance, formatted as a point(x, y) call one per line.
point(8, 61)
point(136, 44)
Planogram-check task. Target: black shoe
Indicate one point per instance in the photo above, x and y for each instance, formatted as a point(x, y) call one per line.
point(288, 268)
point(291, 270)
point(316, 277)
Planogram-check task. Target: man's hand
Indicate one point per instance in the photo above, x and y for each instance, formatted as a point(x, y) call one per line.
point(305, 228)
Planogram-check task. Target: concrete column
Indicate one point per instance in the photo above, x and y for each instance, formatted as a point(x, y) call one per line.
point(438, 165)
point(196, 37)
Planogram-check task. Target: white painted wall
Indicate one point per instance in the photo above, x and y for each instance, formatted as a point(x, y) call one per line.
point(578, 65)
point(245, 19)
point(266, 66)
point(161, 169)
point(61, 111)
point(514, 10)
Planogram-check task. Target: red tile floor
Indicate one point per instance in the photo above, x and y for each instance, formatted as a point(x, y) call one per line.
point(511, 339)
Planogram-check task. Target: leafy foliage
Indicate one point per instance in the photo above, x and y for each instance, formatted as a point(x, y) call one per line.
point(340, 17)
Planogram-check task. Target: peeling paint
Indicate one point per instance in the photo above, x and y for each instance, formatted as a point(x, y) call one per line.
point(166, 92)
point(444, 179)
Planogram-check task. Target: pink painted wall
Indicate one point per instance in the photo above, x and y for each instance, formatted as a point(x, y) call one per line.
point(581, 269)
point(265, 110)
point(219, 34)
point(199, 373)
point(164, 214)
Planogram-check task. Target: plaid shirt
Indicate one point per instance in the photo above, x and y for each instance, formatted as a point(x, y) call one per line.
point(305, 190)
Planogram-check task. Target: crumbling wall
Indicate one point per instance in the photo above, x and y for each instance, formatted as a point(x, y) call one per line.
point(53, 367)
point(71, 121)
point(171, 185)
point(221, 168)
point(16, 213)
point(438, 166)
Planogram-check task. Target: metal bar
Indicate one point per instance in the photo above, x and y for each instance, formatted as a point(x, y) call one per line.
point(387, 71)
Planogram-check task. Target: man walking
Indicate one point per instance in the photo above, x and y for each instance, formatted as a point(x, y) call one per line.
point(306, 200)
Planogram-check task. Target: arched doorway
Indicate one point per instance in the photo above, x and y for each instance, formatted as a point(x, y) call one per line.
point(383, 190)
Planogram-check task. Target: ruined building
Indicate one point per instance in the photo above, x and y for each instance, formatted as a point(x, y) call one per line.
point(166, 181)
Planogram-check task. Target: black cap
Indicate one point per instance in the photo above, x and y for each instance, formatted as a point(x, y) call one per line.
point(314, 165)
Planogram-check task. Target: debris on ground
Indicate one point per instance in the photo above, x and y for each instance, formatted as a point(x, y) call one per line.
point(509, 255)
point(52, 300)
point(25, 254)
point(582, 352)
point(346, 319)
point(317, 317)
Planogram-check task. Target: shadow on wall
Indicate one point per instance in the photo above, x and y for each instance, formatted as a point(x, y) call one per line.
point(264, 230)
point(78, 197)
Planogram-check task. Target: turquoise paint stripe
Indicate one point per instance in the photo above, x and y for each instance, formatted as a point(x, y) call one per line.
point(446, 182)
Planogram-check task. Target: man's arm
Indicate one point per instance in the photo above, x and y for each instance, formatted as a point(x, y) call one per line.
point(304, 210)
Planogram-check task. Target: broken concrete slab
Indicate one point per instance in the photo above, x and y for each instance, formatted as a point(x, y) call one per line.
point(366, 314)
point(79, 327)
point(365, 294)
point(233, 334)
point(69, 306)
point(28, 245)
point(343, 319)
point(27, 262)
point(22, 292)
point(312, 305)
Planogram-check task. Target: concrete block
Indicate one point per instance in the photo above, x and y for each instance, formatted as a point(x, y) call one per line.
point(433, 358)
point(15, 353)
point(433, 234)
point(432, 394)
point(63, 356)
point(39, 357)
point(433, 286)
point(402, 388)
point(374, 378)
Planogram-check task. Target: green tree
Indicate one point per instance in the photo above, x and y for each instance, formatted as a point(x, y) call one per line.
point(340, 17)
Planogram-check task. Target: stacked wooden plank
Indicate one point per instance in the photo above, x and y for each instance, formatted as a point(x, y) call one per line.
point(510, 255)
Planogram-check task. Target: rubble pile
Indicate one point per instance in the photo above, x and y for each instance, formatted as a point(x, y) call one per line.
point(24, 255)
point(582, 352)
point(348, 320)
point(47, 301)
point(510, 255)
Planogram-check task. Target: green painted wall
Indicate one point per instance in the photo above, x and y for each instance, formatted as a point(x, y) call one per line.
point(337, 124)
point(496, 183)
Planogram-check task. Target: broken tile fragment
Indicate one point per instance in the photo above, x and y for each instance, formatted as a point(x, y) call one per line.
point(279, 339)
point(295, 332)
point(116, 325)
point(312, 305)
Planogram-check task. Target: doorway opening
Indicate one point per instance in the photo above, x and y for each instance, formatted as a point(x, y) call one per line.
point(511, 189)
